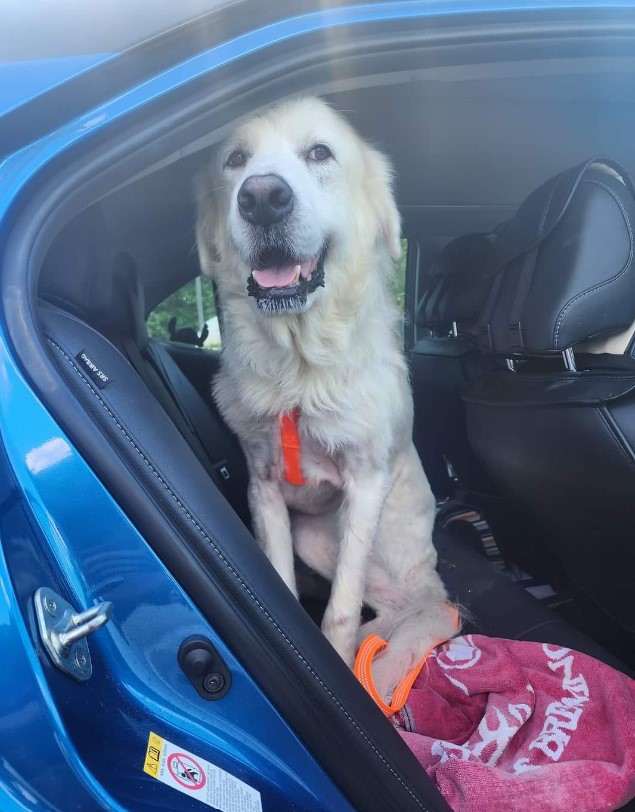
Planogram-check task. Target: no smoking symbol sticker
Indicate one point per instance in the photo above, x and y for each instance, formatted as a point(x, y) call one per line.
point(186, 771)
point(211, 785)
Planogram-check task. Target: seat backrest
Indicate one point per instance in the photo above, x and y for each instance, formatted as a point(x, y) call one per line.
point(77, 273)
point(562, 266)
point(557, 440)
point(456, 284)
point(83, 276)
point(455, 287)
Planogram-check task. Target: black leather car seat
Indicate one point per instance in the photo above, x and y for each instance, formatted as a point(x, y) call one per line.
point(557, 430)
point(455, 289)
point(442, 362)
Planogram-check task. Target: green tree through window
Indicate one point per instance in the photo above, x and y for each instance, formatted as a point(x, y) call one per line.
point(182, 305)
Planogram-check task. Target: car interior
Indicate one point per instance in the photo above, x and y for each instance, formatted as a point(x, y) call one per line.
point(528, 445)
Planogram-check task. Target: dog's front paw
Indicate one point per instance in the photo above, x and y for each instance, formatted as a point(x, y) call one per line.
point(408, 644)
point(388, 670)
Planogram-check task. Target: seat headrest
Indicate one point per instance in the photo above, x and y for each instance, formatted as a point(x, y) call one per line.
point(459, 281)
point(563, 265)
point(76, 274)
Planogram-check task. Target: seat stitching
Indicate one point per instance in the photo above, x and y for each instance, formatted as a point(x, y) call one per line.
point(608, 281)
point(536, 626)
point(529, 377)
point(234, 573)
point(616, 438)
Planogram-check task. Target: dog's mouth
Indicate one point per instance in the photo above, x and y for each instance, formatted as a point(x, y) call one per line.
point(281, 283)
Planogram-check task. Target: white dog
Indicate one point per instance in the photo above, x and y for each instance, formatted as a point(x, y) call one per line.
point(298, 226)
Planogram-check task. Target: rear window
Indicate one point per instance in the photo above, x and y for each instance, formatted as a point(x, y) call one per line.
point(188, 315)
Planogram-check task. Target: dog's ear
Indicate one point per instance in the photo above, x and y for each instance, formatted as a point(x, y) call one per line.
point(207, 224)
point(378, 178)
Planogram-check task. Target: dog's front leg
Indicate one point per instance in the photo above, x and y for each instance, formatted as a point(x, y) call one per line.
point(364, 496)
point(273, 528)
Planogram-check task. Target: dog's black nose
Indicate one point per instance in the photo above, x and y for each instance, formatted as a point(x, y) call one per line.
point(265, 199)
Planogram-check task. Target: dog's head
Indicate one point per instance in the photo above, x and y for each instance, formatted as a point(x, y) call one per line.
point(295, 199)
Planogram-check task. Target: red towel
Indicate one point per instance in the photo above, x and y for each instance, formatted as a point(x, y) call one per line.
point(506, 726)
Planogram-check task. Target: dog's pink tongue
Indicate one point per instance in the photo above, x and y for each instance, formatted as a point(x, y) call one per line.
point(280, 276)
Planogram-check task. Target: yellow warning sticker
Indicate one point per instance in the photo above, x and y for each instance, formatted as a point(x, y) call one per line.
point(153, 755)
point(198, 778)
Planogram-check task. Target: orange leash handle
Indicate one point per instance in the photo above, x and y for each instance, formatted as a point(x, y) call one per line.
point(291, 451)
point(370, 647)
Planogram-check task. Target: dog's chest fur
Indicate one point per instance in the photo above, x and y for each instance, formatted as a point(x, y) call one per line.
point(344, 412)
point(337, 372)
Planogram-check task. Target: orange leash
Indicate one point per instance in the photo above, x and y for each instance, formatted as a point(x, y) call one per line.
point(370, 647)
point(290, 440)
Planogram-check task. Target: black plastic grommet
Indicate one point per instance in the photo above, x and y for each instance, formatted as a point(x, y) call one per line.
point(203, 666)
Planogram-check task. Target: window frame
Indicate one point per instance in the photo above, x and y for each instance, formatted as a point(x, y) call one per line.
point(411, 291)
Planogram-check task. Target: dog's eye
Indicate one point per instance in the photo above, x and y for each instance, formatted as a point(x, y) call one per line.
point(319, 152)
point(236, 158)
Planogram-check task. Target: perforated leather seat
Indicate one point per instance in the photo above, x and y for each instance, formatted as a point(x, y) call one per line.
point(558, 433)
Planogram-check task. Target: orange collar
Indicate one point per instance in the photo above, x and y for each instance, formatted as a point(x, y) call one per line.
point(291, 450)
point(371, 646)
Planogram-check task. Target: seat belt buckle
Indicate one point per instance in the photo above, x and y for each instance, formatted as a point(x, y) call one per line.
point(223, 470)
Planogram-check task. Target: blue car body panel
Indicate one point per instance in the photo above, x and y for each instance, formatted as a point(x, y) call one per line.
point(66, 745)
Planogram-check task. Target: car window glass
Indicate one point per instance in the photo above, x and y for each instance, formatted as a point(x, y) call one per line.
point(188, 315)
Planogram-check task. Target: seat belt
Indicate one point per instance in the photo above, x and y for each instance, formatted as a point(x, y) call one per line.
point(200, 418)
point(156, 385)
point(211, 441)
